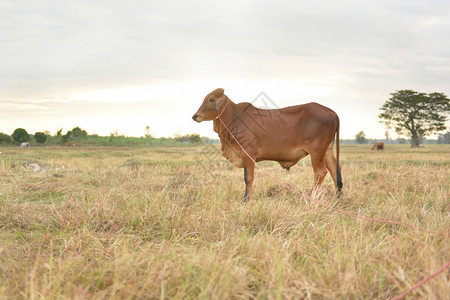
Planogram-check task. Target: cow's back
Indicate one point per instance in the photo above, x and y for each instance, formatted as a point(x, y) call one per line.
point(286, 133)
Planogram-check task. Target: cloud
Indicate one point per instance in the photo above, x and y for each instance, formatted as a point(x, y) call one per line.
point(88, 42)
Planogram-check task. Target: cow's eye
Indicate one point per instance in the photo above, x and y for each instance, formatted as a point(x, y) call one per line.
point(211, 100)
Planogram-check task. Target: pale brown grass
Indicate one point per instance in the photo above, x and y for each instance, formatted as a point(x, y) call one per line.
point(147, 223)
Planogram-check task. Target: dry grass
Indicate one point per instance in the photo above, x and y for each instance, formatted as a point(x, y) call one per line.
point(145, 223)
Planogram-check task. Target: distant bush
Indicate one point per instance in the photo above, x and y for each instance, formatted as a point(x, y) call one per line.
point(444, 138)
point(401, 141)
point(207, 140)
point(189, 139)
point(76, 134)
point(40, 137)
point(360, 138)
point(5, 139)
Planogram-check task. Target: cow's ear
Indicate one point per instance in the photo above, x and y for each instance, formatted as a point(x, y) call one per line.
point(219, 92)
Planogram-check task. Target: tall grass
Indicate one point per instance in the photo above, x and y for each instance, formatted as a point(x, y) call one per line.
point(170, 222)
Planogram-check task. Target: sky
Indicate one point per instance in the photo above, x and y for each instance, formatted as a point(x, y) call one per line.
point(119, 66)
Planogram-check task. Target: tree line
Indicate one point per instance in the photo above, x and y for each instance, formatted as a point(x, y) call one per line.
point(79, 136)
point(361, 138)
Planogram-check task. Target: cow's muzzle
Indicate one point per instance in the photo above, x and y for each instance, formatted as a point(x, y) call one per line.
point(195, 118)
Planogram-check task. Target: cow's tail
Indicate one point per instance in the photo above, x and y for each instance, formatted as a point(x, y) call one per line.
point(338, 167)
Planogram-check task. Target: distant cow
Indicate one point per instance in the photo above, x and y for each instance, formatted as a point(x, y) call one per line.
point(27, 145)
point(378, 146)
point(283, 135)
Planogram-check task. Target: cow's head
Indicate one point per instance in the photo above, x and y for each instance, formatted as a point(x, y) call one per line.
point(211, 107)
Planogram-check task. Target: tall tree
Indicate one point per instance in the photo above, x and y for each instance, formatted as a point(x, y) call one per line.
point(415, 114)
point(20, 135)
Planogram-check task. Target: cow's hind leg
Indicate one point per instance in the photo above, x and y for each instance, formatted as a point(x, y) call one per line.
point(320, 170)
point(248, 179)
point(330, 161)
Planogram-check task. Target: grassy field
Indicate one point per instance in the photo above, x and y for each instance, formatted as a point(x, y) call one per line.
point(170, 223)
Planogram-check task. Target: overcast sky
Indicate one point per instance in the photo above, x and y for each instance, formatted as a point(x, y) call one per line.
point(122, 65)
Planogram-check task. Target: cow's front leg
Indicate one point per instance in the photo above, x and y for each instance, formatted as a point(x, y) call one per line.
point(248, 179)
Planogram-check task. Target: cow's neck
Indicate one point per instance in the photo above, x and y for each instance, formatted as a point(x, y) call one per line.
point(228, 117)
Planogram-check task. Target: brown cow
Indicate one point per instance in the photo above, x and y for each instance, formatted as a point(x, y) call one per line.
point(378, 146)
point(284, 135)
